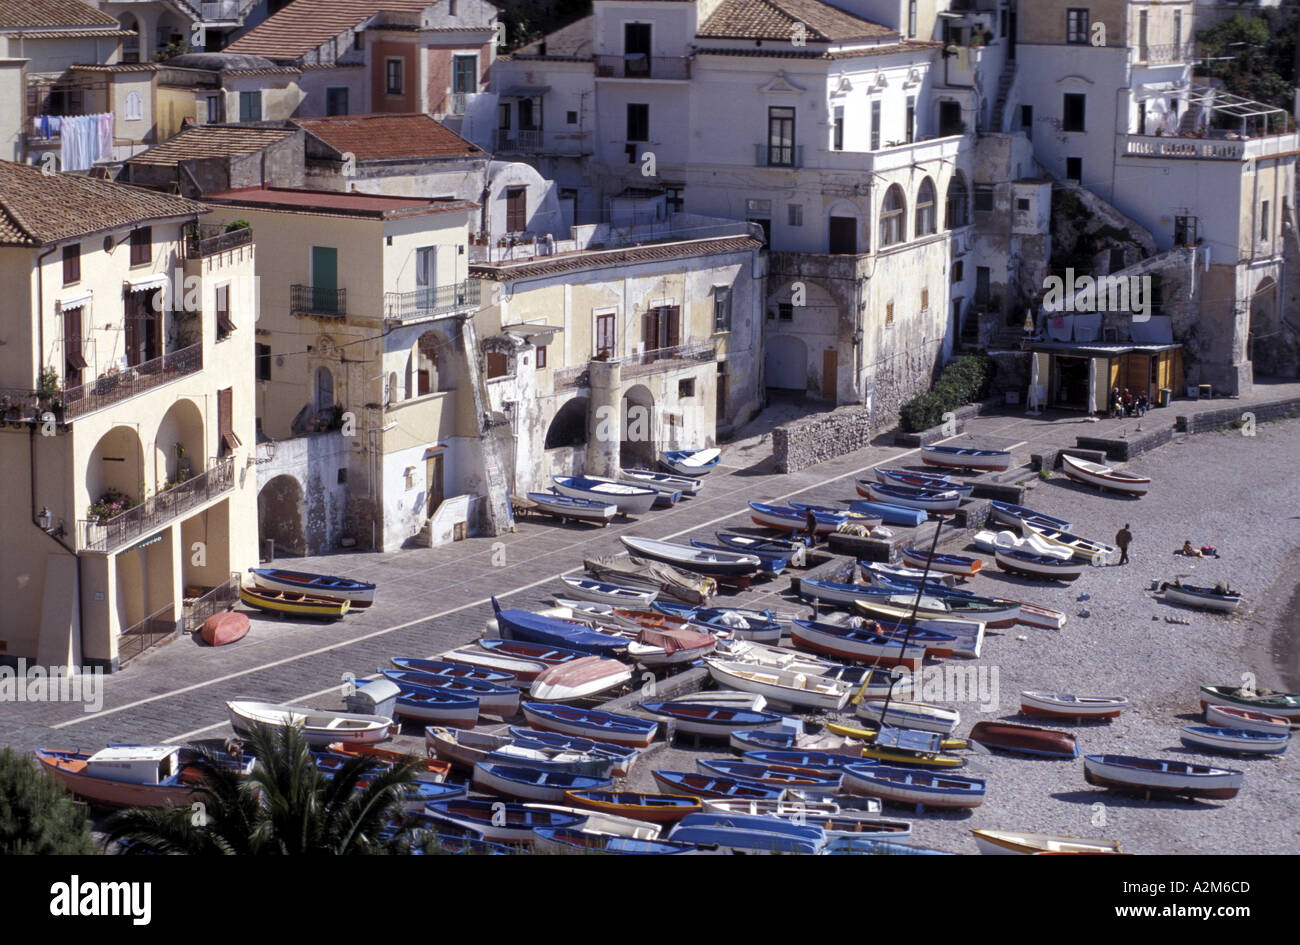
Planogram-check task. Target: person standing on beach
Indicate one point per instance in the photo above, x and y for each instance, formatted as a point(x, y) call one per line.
point(1123, 538)
point(812, 527)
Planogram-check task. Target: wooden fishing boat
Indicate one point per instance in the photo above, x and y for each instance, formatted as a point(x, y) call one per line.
point(461, 747)
point(759, 626)
point(769, 563)
point(786, 518)
point(620, 756)
point(579, 679)
point(1230, 716)
point(794, 548)
point(650, 808)
point(1083, 548)
point(699, 560)
point(778, 776)
point(956, 457)
point(835, 512)
point(1025, 739)
point(787, 688)
point(851, 643)
point(708, 720)
point(908, 786)
point(727, 698)
point(685, 586)
point(1104, 477)
point(822, 761)
point(668, 495)
point(869, 735)
point(792, 661)
point(960, 565)
point(686, 485)
point(227, 627)
point(543, 653)
point(523, 670)
point(631, 500)
point(503, 822)
point(1282, 704)
point(493, 698)
point(532, 783)
point(1160, 777)
point(909, 715)
point(1034, 615)
point(1206, 598)
point(909, 748)
point(917, 480)
point(566, 507)
point(588, 723)
point(677, 646)
point(1003, 842)
point(319, 726)
point(603, 592)
point(937, 643)
point(899, 608)
point(528, 627)
point(1063, 705)
point(294, 603)
point(454, 669)
point(1236, 741)
point(437, 707)
point(990, 541)
point(910, 576)
point(1046, 567)
point(428, 769)
point(888, 513)
point(130, 775)
point(929, 500)
point(692, 463)
point(740, 833)
point(830, 816)
point(569, 840)
point(360, 594)
point(1016, 516)
point(710, 786)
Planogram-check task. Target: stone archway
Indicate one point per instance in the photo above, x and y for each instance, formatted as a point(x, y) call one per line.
point(1272, 348)
point(638, 433)
point(179, 445)
point(280, 515)
point(569, 427)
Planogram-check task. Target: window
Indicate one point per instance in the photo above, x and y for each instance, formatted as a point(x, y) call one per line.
point(686, 388)
point(73, 361)
point(638, 122)
point(142, 246)
point(891, 217)
point(229, 442)
point(571, 118)
point(336, 101)
point(1072, 112)
point(1076, 25)
point(1074, 169)
point(1027, 120)
point(250, 106)
point(795, 217)
point(843, 236)
point(674, 198)
point(498, 364)
point(889, 313)
point(541, 356)
point(981, 285)
point(1178, 33)
point(393, 76)
point(263, 361)
point(1143, 50)
point(426, 268)
point(722, 308)
point(958, 271)
point(530, 114)
point(925, 300)
point(464, 74)
point(1022, 204)
point(875, 126)
point(925, 214)
point(957, 209)
point(950, 122)
point(785, 311)
point(606, 335)
point(72, 264)
point(662, 327)
point(911, 19)
point(837, 135)
point(503, 116)
point(910, 134)
point(780, 136)
point(1263, 221)
point(214, 109)
point(358, 40)
point(983, 198)
point(224, 325)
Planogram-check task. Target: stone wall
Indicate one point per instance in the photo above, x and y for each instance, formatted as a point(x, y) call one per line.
point(813, 440)
point(1126, 448)
point(1227, 416)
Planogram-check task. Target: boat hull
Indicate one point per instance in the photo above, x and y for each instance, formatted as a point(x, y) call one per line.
point(1205, 599)
point(954, 458)
point(1233, 741)
point(1045, 705)
point(1011, 842)
point(228, 627)
point(1227, 716)
point(630, 500)
point(1037, 566)
point(294, 604)
point(360, 594)
point(1167, 779)
point(903, 786)
point(1025, 739)
point(1103, 477)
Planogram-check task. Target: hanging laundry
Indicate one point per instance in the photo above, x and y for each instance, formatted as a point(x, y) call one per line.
point(106, 136)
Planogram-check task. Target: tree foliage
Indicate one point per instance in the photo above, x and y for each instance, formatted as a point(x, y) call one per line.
point(36, 814)
point(1254, 55)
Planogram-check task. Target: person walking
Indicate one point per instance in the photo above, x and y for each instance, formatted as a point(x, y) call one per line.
point(812, 527)
point(1123, 538)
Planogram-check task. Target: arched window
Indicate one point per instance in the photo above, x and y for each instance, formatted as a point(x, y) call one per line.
point(958, 209)
point(925, 209)
point(892, 223)
point(324, 390)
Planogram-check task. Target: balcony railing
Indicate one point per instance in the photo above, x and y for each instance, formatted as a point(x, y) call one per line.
point(1168, 146)
point(572, 143)
point(223, 10)
point(1154, 55)
point(111, 534)
point(222, 597)
point(158, 627)
point(210, 240)
point(643, 67)
point(401, 306)
point(667, 359)
point(318, 300)
point(458, 102)
point(785, 156)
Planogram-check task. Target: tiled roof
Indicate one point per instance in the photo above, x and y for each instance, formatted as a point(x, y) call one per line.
point(50, 14)
point(792, 52)
point(377, 137)
point(597, 259)
point(208, 141)
point(38, 208)
point(115, 67)
point(332, 203)
point(776, 19)
point(305, 24)
point(68, 34)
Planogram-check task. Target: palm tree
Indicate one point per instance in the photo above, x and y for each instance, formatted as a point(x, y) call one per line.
point(287, 806)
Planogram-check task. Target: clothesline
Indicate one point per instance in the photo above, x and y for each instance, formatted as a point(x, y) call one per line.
point(84, 139)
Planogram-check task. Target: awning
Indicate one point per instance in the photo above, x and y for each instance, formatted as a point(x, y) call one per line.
point(75, 301)
point(143, 285)
point(526, 91)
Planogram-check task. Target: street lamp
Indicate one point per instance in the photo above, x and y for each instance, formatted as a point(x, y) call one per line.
point(45, 521)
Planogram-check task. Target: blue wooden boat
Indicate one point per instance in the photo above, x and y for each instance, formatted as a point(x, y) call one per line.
point(545, 653)
point(631, 500)
point(359, 593)
point(776, 739)
point(692, 463)
point(770, 563)
point(818, 760)
point(854, 643)
point(930, 500)
point(786, 546)
point(626, 730)
point(501, 821)
point(956, 457)
point(1234, 741)
point(712, 786)
point(934, 583)
point(949, 564)
point(916, 480)
point(452, 668)
point(1017, 515)
point(621, 756)
point(891, 514)
point(710, 721)
point(567, 506)
point(808, 780)
point(749, 833)
point(562, 840)
point(438, 707)
point(761, 626)
point(841, 845)
point(789, 519)
point(913, 786)
point(533, 782)
point(421, 827)
point(493, 698)
point(835, 513)
point(529, 627)
point(417, 794)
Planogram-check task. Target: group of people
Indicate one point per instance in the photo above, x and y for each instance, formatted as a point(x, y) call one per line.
point(1125, 404)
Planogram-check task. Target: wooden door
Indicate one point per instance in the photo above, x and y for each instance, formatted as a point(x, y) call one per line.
point(73, 361)
point(672, 326)
point(433, 471)
point(651, 329)
point(606, 335)
point(830, 372)
point(516, 209)
point(843, 236)
point(226, 422)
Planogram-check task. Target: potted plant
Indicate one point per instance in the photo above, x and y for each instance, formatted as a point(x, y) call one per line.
point(48, 386)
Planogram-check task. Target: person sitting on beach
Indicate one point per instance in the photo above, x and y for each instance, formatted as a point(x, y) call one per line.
point(1128, 402)
point(1142, 405)
point(1188, 551)
point(1114, 402)
point(1221, 588)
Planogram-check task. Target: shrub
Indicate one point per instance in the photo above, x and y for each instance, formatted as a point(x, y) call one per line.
point(36, 814)
point(964, 380)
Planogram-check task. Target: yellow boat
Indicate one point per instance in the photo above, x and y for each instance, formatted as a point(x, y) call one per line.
point(924, 759)
point(869, 735)
point(294, 604)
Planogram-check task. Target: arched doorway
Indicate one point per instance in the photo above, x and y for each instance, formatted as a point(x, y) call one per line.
point(179, 445)
point(786, 363)
point(130, 44)
point(433, 364)
point(1265, 346)
point(116, 467)
point(324, 390)
point(280, 515)
point(569, 428)
point(638, 432)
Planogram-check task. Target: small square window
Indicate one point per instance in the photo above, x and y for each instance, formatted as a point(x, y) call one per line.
point(343, 475)
point(786, 311)
point(1022, 203)
point(958, 271)
point(796, 214)
point(686, 387)
point(541, 356)
point(142, 246)
point(889, 313)
point(72, 264)
point(571, 117)
point(983, 198)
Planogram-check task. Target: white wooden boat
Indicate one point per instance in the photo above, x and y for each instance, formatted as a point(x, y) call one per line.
point(1205, 598)
point(534, 782)
point(1161, 777)
point(524, 671)
point(603, 592)
point(463, 747)
point(991, 541)
point(913, 786)
point(1035, 615)
point(957, 457)
point(631, 500)
point(686, 485)
point(907, 575)
point(1105, 477)
point(1038, 566)
point(572, 507)
point(1237, 741)
point(579, 679)
point(1283, 704)
point(859, 644)
point(1231, 716)
point(691, 462)
point(914, 715)
point(598, 822)
point(782, 686)
point(1004, 842)
point(729, 698)
point(1085, 548)
point(1005, 513)
point(699, 560)
point(319, 726)
point(1062, 705)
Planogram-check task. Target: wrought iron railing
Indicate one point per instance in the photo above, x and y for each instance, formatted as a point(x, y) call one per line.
point(209, 240)
point(157, 628)
point(438, 300)
point(107, 535)
point(643, 67)
point(318, 300)
point(783, 156)
point(222, 597)
point(667, 359)
point(1156, 53)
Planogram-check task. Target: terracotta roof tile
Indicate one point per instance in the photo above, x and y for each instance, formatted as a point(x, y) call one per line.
point(305, 24)
point(37, 208)
point(597, 259)
point(332, 203)
point(377, 137)
point(208, 141)
point(48, 14)
point(776, 19)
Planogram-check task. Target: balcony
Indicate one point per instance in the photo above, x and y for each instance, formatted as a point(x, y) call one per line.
point(790, 156)
point(570, 143)
point(205, 241)
point(426, 303)
point(1163, 54)
point(1210, 149)
point(668, 359)
point(109, 535)
point(643, 67)
point(318, 301)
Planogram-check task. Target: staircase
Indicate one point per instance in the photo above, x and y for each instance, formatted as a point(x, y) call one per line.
point(970, 329)
point(1005, 82)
